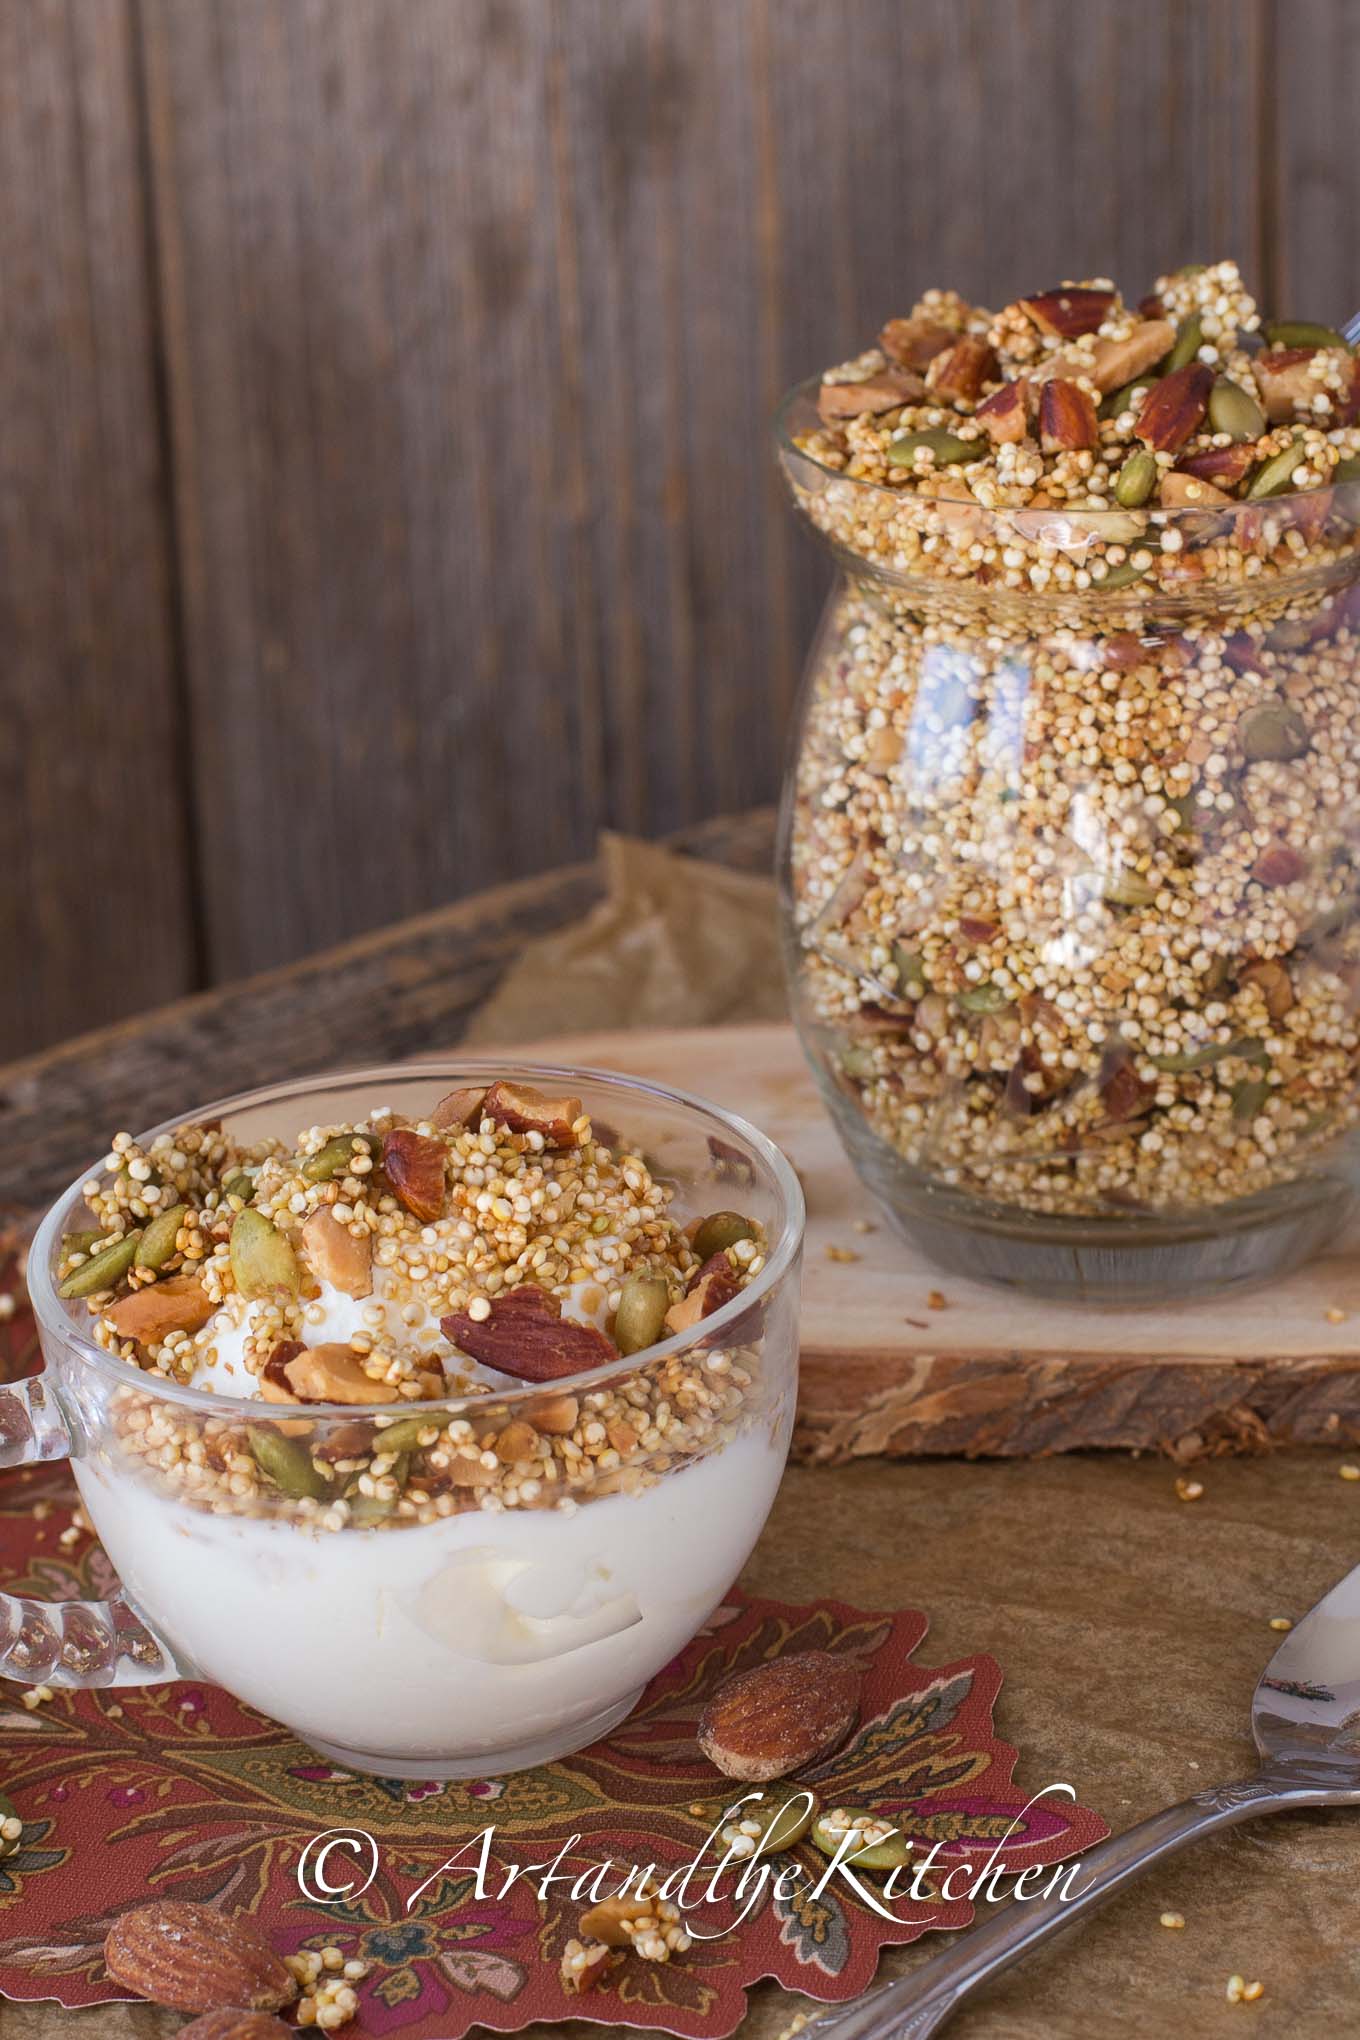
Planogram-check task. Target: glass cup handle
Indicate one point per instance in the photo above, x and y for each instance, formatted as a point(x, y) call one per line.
point(68, 1643)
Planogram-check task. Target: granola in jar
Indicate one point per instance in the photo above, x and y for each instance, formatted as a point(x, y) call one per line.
point(1070, 840)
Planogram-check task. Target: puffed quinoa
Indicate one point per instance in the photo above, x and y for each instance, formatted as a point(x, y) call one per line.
point(464, 1252)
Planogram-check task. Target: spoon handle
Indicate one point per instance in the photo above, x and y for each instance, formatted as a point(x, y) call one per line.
point(917, 2004)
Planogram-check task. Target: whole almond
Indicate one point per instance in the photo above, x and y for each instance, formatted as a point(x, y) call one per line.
point(1173, 409)
point(415, 1167)
point(233, 2023)
point(525, 1335)
point(1070, 310)
point(1067, 418)
point(193, 1958)
point(769, 1721)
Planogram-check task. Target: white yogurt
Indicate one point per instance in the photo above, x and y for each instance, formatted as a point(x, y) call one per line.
point(335, 1316)
point(479, 1641)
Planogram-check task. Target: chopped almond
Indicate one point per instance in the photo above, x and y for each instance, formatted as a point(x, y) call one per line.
point(1002, 415)
point(914, 343)
point(961, 372)
point(1188, 492)
point(180, 1304)
point(335, 1255)
point(882, 392)
point(1116, 362)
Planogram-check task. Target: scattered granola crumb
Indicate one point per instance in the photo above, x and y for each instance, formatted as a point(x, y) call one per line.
point(1252, 1991)
point(114, 1713)
point(35, 1696)
point(1171, 1919)
point(1189, 1490)
point(41, 1511)
point(937, 1300)
point(1349, 1472)
point(586, 1964)
point(1241, 1992)
point(841, 1254)
point(1335, 1316)
point(7, 1305)
point(325, 1979)
point(1280, 1622)
point(865, 1225)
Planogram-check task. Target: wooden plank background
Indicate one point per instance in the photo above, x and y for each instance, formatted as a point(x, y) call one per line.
point(385, 492)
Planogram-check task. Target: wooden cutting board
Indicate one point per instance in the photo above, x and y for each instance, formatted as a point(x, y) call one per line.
point(993, 1372)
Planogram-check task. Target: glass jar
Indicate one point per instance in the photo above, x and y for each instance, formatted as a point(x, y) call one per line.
point(1068, 858)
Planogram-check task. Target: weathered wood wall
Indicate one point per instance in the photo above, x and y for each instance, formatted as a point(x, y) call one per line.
point(385, 497)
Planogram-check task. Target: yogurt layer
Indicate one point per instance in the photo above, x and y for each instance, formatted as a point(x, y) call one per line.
point(479, 1633)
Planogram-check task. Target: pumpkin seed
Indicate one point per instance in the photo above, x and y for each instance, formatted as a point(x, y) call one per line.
point(1302, 333)
point(893, 1854)
point(1272, 731)
point(1129, 889)
point(1122, 576)
point(789, 1825)
point(240, 1185)
point(9, 1844)
point(983, 998)
point(1136, 480)
point(1248, 1097)
point(858, 1062)
point(911, 971)
point(1277, 475)
point(102, 1270)
point(1189, 340)
point(643, 1303)
point(1129, 397)
point(1346, 470)
point(287, 1463)
point(78, 1242)
point(334, 1159)
point(405, 1435)
point(365, 1510)
point(1235, 411)
point(721, 1231)
point(157, 1243)
point(1216, 1052)
point(261, 1258)
point(947, 448)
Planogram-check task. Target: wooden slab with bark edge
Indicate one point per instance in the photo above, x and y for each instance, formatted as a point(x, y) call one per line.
point(995, 1372)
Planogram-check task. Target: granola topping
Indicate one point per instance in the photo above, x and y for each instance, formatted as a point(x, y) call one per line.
point(498, 1242)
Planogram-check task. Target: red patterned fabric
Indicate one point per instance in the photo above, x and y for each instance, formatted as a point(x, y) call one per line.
point(181, 1791)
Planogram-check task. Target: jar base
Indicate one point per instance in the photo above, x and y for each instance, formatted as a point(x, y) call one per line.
point(1125, 1261)
point(492, 1763)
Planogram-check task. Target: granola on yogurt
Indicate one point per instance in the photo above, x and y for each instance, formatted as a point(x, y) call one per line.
point(503, 1240)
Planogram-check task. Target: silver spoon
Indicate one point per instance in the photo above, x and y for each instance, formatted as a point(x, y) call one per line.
point(1306, 1720)
point(1352, 331)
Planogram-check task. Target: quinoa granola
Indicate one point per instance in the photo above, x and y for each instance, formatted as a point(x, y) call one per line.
point(1072, 837)
point(501, 1241)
